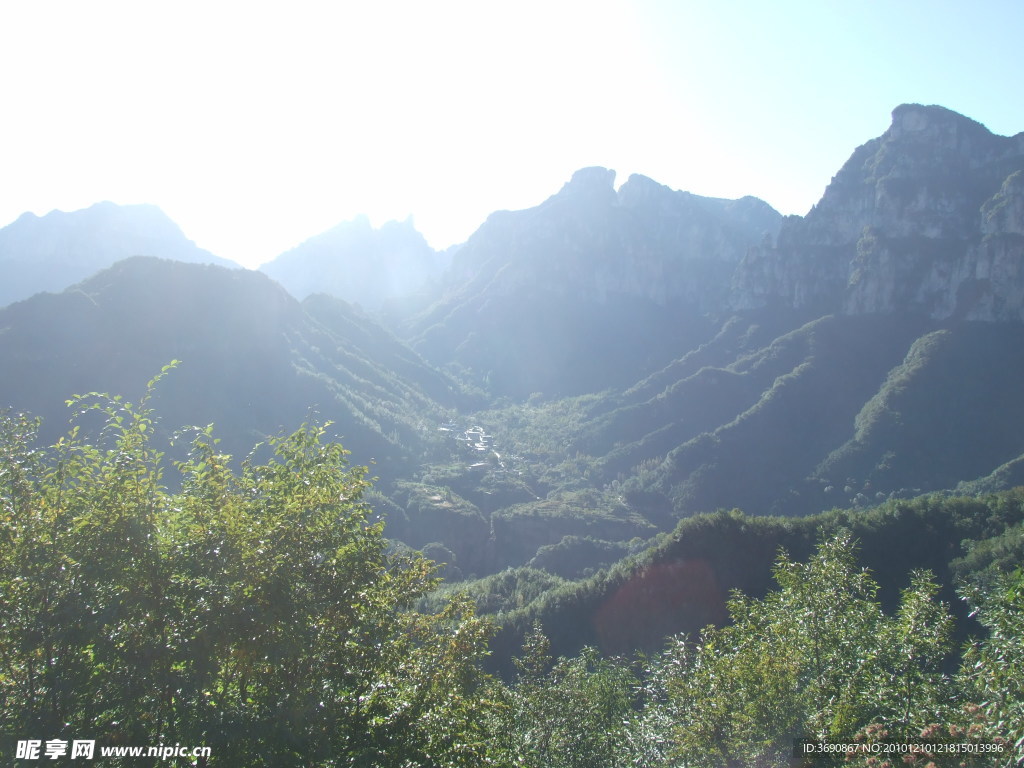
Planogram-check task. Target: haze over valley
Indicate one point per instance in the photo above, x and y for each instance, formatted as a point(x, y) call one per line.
point(629, 352)
point(600, 414)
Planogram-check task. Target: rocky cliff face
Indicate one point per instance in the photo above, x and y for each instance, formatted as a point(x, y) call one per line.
point(645, 241)
point(591, 289)
point(925, 219)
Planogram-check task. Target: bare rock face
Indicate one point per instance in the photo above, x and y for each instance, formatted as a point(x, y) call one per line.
point(590, 289)
point(925, 219)
point(1003, 214)
point(644, 241)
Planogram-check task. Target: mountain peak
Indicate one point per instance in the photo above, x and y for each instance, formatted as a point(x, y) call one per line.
point(51, 252)
point(639, 188)
point(594, 175)
point(359, 263)
point(933, 123)
point(920, 219)
point(590, 183)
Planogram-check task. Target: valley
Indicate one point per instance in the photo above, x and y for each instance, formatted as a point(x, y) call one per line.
point(600, 416)
point(581, 376)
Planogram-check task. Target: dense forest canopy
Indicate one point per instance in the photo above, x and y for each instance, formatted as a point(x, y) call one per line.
point(260, 611)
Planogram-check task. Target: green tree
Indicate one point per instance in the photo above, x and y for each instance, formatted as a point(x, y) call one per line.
point(816, 658)
point(993, 668)
point(255, 611)
point(911, 689)
point(570, 713)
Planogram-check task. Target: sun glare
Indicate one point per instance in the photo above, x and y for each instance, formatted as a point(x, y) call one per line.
point(256, 128)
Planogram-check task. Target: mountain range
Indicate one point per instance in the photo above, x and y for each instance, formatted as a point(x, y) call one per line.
point(581, 376)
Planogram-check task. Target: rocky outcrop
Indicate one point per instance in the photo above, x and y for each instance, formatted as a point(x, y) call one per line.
point(644, 241)
point(676, 246)
point(926, 219)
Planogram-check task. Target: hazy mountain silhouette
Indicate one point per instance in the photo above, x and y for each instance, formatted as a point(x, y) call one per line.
point(52, 252)
point(360, 264)
point(253, 361)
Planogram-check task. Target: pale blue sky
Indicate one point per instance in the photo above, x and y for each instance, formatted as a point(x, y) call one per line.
point(255, 126)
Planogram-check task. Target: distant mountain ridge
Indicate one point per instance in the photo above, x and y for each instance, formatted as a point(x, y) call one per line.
point(52, 252)
point(360, 264)
point(644, 240)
